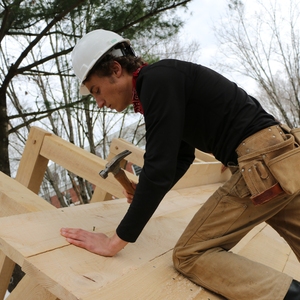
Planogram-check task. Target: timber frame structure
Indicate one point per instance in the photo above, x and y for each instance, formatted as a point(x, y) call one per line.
point(54, 269)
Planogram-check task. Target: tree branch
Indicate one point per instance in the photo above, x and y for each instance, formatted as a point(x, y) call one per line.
point(41, 61)
point(13, 69)
point(151, 14)
point(72, 104)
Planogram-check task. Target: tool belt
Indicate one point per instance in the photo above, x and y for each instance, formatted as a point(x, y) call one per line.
point(269, 161)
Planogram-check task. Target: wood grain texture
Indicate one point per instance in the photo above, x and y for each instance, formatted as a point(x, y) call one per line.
point(29, 231)
point(142, 270)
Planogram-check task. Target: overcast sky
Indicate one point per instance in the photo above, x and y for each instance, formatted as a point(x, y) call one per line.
point(202, 15)
point(200, 18)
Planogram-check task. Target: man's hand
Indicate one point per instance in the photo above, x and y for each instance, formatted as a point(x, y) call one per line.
point(97, 243)
point(129, 196)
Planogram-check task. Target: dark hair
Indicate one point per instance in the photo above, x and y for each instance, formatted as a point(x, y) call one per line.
point(104, 67)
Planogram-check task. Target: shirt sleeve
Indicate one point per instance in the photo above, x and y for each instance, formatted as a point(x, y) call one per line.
point(167, 157)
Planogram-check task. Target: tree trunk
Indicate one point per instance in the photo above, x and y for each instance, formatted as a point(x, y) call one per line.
point(4, 161)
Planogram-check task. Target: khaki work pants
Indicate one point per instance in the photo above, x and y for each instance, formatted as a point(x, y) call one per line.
point(202, 252)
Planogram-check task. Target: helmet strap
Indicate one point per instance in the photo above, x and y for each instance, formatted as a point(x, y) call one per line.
point(122, 50)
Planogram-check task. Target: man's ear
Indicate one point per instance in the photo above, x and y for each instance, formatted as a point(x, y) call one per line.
point(117, 69)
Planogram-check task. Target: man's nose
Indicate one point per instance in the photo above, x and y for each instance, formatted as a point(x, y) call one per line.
point(100, 102)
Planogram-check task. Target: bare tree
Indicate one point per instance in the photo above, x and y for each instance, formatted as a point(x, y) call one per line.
point(172, 47)
point(264, 44)
point(26, 31)
point(43, 91)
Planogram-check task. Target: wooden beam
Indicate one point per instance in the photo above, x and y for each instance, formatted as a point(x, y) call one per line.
point(6, 269)
point(29, 289)
point(100, 195)
point(15, 198)
point(119, 145)
point(81, 163)
point(206, 171)
point(207, 157)
point(32, 165)
point(201, 173)
point(156, 279)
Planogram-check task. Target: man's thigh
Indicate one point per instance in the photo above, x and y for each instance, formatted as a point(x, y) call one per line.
point(227, 216)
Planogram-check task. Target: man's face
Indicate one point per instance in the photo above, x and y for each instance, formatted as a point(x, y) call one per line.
point(114, 92)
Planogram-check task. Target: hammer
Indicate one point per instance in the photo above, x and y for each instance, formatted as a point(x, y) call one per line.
point(114, 166)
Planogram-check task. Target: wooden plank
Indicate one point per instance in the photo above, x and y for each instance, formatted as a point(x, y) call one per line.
point(119, 145)
point(15, 198)
point(208, 295)
point(263, 244)
point(179, 199)
point(34, 233)
point(127, 271)
point(202, 173)
point(81, 163)
point(42, 238)
point(154, 280)
point(100, 195)
point(28, 289)
point(162, 278)
point(206, 157)
point(199, 173)
point(265, 249)
point(136, 157)
point(32, 165)
point(39, 232)
point(158, 274)
point(292, 266)
point(244, 241)
point(64, 271)
point(7, 267)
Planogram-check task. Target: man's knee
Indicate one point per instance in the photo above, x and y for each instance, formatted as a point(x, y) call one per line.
point(176, 261)
point(181, 259)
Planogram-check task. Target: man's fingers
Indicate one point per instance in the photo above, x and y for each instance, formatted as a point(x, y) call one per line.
point(77, 237)
point(128, 196)
point(77, 243)
point(73, 233)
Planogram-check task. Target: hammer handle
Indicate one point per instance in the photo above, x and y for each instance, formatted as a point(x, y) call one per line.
point(125, 182)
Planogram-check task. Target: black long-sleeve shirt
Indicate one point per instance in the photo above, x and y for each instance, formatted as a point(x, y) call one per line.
point(186, 106)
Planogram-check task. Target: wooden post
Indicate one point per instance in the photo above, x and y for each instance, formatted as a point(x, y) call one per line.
point(6, 269)
point(32, 165)
point(28, 289)
point(100, 195)
point(15, 199)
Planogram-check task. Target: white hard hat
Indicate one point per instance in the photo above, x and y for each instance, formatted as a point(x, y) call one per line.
point(90, 48)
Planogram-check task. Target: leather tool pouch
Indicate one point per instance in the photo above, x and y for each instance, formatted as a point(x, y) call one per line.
point(286, 169)
point(296, 133)
point(262, 170)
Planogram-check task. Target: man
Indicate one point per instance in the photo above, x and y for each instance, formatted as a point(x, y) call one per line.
point(188, 106)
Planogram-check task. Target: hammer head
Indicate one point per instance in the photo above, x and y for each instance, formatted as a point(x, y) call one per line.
point(114, 164)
